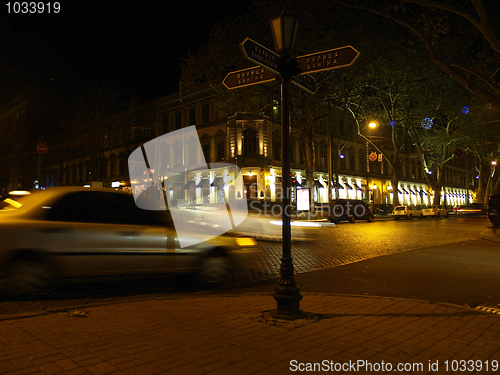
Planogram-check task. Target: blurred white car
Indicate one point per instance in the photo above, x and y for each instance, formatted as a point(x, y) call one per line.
point(76, 231)
point(438, 211)
point(406, 212)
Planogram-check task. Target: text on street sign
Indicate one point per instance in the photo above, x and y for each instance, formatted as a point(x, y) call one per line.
point(246, 77)
point(331, 59)
point(253, 51)
point(305, 82)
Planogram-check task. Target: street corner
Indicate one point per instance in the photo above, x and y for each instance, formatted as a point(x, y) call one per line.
point(491, 234)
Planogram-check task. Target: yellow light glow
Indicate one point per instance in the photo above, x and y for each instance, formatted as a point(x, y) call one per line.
point(372, 124)
point(245, 241)
point(13, 202)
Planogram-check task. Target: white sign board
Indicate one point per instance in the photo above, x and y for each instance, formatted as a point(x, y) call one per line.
point(303, 200)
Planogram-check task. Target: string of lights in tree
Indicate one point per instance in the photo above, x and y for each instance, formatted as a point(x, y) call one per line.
point(427, 121)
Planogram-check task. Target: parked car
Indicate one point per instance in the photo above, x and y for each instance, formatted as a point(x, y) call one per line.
point(406, 212)
point(350, 210)
point(437, 211)
point(494, 210)
point(88, 231)
point(472, 209)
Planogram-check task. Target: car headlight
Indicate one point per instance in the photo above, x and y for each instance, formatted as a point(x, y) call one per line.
point(245, 241)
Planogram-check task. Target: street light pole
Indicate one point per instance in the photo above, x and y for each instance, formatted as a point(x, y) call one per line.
point(284, 29)
point(287, 293)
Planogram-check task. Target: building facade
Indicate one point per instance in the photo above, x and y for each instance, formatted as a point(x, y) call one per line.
point(252, 141)
point(28, 120)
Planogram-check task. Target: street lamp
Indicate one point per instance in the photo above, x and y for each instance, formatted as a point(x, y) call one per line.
point(287, 293)
point(284, 31)
point(371, 125)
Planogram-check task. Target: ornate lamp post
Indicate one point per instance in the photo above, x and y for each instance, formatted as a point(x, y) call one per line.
point(287, 293)
point(284, 28)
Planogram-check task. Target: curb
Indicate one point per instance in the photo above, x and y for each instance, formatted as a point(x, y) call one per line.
point(490, 236)
point(479, 310)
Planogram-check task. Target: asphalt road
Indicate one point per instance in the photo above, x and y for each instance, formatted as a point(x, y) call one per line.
point(463, 273)
point(438, 260)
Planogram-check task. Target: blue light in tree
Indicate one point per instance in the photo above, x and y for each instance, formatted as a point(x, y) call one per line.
point(426, 123)
point(465, 110)
point(393, 123)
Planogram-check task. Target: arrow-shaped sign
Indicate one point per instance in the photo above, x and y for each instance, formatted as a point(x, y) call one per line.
point(247, 77)
point(266, 58)
point(331, 59)
point(305, 82)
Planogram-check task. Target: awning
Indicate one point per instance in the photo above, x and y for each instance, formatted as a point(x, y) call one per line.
point(358, 187)
point(189, 184)
point(406, 191)
point(339, 185)
point(348, 186)
point(203, 183)
point(296, 183)
point(216, 181)
point(399, 191)
point(318, 184)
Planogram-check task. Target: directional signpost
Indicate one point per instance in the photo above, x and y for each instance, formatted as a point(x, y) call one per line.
point(305, 82)
point(257, 74)
point(271, 66)
point(326, 60)
point(246, 77)
point(261, 55)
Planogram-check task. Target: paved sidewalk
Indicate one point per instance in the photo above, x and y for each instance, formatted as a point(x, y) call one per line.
point(236, 335)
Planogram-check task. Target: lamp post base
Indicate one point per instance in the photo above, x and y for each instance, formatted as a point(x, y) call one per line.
point(288, 307)
point(287, 294)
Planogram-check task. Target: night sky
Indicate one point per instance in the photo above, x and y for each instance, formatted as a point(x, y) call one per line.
point(136, 45)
